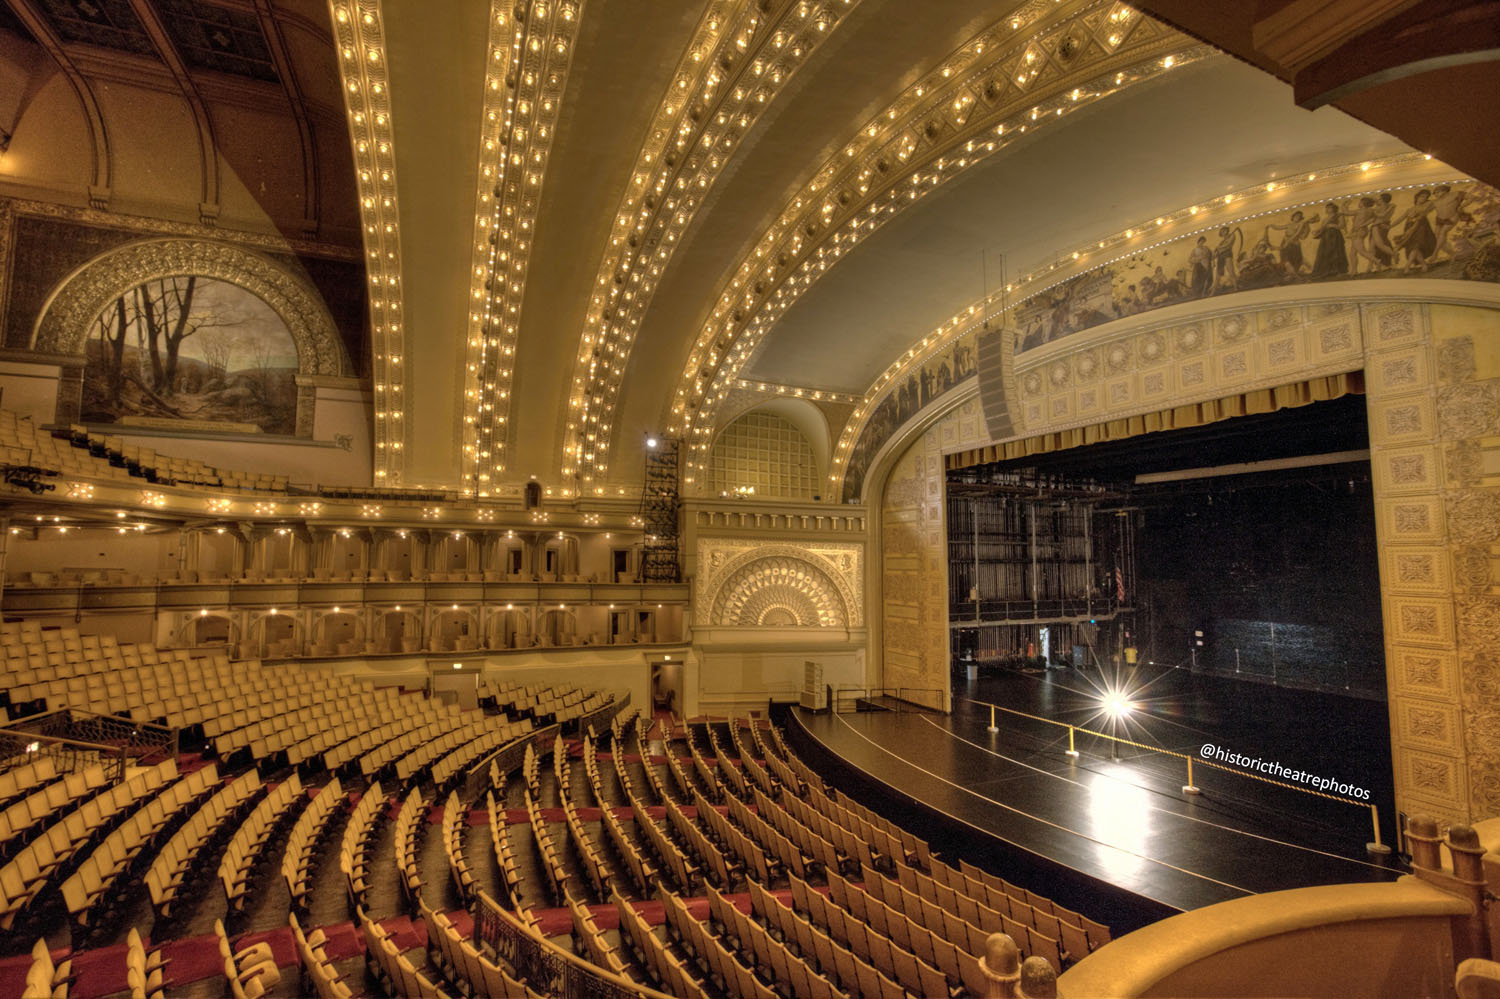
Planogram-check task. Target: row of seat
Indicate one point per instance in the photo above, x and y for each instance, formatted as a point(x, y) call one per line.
point(250, 971)
point(27, 873)
point(359, 835)
point(559, 879)
point(317, 969)
point(143, 969)
point(169, 870)
point(595, 868)
point(710, 857)
point(20, 781)
point(147, 463)
point(453, 847)
point(718, 960)
point(394, 969)
point(306, 837)
point(94, 877)
point(590, 943)
point(45, 979)
point(642, 872)
point(663, 966)
point(505, 856)
point(411, 819)
point(252, 837)
point(463, 963)
point(55, 795)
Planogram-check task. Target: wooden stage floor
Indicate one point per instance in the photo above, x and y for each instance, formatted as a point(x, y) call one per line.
point(1112, 830)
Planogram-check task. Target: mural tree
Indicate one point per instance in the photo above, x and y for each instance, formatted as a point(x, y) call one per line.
point(190, 347)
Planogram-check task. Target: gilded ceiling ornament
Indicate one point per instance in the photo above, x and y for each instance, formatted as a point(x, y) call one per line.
point(1479, 621)
point(1472, 567)
point(1484, 783)
point(1232, 328)
point(741, 57)
point(526, 76)
point(1190, 338)
point(1153, 347)
point(992, 89)
point(1464, 462)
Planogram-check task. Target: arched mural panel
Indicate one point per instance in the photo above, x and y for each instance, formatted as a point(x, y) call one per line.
point(189, 330)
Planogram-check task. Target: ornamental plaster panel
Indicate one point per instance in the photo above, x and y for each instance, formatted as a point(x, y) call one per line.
point(1429, 673)
point(835, 567)
point(1402, 419)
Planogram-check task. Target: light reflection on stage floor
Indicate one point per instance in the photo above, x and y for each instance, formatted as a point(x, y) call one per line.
point(1128, 823)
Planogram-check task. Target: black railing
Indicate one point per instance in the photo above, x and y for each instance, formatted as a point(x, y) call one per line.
point(77, 738)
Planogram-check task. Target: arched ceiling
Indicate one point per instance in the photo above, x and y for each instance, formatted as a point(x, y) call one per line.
point(220, 113)
point(585, 220)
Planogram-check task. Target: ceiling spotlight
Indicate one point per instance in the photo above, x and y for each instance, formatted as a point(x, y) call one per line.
point(651, 442)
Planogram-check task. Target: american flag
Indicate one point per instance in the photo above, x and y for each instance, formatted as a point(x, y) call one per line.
point(1119, 585)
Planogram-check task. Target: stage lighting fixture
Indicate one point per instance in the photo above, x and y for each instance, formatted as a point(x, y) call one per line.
point(1116, 706)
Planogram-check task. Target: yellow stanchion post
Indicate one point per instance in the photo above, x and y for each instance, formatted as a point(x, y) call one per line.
point(1190, 787)
point(993, 726)
point(1072, 750)
point(1377, 847)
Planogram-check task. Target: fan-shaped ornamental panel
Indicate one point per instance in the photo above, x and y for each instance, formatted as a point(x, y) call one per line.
point(779, 591)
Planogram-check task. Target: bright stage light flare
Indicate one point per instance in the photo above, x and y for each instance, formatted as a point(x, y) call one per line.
point(1116, 706)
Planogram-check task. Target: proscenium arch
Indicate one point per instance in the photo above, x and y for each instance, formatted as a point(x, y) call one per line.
point(65, 319)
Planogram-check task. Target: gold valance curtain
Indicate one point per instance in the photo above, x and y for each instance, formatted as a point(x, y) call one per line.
point(1268, 400)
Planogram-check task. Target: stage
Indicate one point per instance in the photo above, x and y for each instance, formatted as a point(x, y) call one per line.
point(1120, 840)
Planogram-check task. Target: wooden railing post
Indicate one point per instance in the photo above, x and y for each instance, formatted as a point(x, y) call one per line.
point(1038, 979)
point(1468, 877)
point(1001, 966)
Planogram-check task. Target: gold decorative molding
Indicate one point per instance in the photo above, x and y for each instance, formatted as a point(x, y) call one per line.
point(530, 50)
point(828, 576)
point(741, 56)
point(147, 225)
point(359, 35)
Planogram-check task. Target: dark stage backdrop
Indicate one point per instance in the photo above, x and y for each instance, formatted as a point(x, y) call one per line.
point(1280, 576)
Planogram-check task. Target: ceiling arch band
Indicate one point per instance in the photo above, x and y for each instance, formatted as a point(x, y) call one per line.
point(717, 95)
point(360, 38)
point(1237, 209)
point(994, 89)
point(530, 50)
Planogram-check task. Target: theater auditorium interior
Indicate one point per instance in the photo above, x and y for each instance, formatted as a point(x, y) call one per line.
point(749, 498)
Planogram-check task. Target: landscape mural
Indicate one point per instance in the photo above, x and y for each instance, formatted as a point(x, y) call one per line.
point(194, 349)
point(1449, 231)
